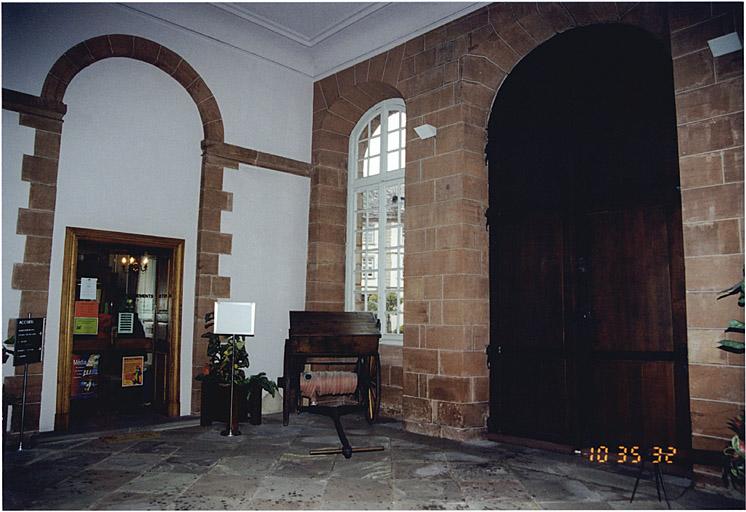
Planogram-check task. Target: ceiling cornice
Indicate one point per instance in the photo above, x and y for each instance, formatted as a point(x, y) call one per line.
point(236, 10)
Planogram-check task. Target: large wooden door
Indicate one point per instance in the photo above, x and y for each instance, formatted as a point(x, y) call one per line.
point(587, 308)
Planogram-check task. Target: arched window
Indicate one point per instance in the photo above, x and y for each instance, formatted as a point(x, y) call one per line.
point(375, 217)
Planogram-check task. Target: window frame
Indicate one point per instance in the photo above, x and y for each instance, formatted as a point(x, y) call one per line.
point(378, 182)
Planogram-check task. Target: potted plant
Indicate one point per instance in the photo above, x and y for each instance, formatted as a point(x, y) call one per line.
point(258, 383)
point(733, 470)
point(216, 379)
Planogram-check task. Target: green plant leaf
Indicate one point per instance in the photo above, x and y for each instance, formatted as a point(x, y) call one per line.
point(737, 347)
point(732, 290)
point(735, 326)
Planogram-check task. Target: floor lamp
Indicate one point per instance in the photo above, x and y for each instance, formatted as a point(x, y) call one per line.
point(233, 319)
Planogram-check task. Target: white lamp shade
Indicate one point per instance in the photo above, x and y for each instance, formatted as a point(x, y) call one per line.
point(234, 318)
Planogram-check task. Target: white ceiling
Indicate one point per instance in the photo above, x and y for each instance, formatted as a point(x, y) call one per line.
point(313, 38)
point(306, 23)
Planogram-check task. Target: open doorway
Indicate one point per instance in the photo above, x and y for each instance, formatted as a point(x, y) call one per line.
point(588, 328)
point(119, 330)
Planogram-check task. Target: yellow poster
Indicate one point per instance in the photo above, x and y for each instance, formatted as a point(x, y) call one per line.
point(132, 368)
point(85, 325)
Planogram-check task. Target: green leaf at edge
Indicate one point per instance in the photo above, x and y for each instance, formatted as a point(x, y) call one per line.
point(737, 347)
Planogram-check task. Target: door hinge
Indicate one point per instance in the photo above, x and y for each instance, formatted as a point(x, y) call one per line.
point(493, 352)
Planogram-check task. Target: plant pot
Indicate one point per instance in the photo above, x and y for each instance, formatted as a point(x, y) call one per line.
point(255, 404)
point(215, 398)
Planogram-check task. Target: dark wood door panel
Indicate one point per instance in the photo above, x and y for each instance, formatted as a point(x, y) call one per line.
point(535, 398)
point(628, 280)
point(629, 402)
point(528, 262)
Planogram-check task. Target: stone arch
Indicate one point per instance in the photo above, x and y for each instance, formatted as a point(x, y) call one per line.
point(45, 114)
point(341, 109)
point(98, 48)
point(515, 30)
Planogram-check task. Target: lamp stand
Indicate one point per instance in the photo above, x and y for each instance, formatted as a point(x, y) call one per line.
point(229, 430)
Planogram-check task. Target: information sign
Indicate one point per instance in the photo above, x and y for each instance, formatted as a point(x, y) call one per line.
point(28, 343)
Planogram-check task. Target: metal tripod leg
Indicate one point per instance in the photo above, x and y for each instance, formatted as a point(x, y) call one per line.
point(659, 481)
point(637, 480)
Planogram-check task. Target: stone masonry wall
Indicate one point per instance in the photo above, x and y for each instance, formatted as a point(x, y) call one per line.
point(449, 78)
point(709, 104)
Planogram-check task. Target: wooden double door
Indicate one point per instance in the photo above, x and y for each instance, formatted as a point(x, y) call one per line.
point(588, 340)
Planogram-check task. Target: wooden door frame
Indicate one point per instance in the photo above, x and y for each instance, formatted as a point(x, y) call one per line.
point(73, 236)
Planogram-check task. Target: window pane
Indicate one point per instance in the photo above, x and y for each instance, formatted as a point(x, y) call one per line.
point(363, 133)
point(375, 126)
point(374, 165)
point(403, 119)
point(393, 141)
point(393, 121)
point(394, 317)
point(374, 146)
point(393, 161)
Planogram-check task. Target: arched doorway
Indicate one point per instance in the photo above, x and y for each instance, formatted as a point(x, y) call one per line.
point(588, 339)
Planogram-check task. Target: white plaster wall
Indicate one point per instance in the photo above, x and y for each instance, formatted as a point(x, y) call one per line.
point(269, 223)
point(265, 106)
point(130, 161)
point(17, 140)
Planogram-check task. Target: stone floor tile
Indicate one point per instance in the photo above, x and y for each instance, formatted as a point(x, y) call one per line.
point(140, 462)
point(82, 489)
point(420, 469)
point(455, 456)
point(501, 505)
point(427, 489)
point(468, 471)
point(15, 458)
point(356, 505)
point(433, 504)
point(417, 454)
point(229, 486)
point(497, 490)
point(292, 465)
point(268, 467)
point(638, 505)
point(282, 504)
point(76, 458)
point(363, 466)
point(161, 482)
point(160, 446)
point(355, 490)
point(187, 462)
point(124, 500)
point(106, 444)
point(290, 489)
point(541, 487)
point(189, 501)
point(242, 465)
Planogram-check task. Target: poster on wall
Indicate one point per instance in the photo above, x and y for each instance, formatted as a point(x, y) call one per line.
point(85, 376)
point(88, 288)
point(86, 317)
point(132, 368)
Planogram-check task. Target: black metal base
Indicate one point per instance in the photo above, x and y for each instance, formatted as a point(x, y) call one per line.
point(658, 483)
point(228, 432)
point(335, 414)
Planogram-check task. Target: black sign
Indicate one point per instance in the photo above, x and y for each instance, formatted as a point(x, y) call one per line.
point(29, 335)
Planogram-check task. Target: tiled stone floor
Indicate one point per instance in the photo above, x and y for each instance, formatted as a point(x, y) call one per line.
point(269, 468)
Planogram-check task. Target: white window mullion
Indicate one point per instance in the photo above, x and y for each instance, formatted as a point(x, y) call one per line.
point(382, 256)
